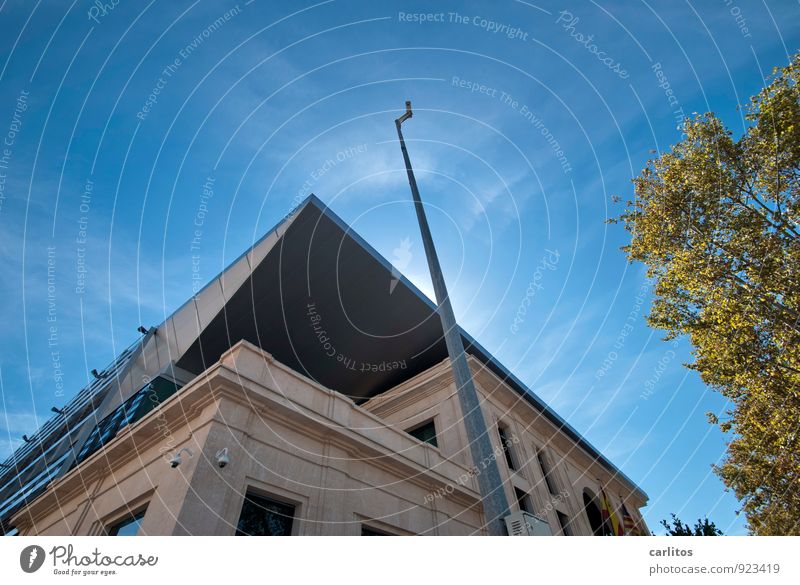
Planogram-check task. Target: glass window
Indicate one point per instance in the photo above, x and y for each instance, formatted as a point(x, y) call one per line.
point(370, 531)
point(28, 472)
point(20, 471)
point(595, 517)
point(426, 432)
point(33, 487)
point(128, 526)
point(549, 477)
point(523, 500)
point(127, 413)
point(507, 447)
point(264, 517)
point(563, 520)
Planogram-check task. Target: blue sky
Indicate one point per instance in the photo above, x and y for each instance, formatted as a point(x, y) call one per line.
point(524, 128)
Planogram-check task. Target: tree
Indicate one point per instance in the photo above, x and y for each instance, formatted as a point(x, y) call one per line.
point(715, 220)
point(701, 528)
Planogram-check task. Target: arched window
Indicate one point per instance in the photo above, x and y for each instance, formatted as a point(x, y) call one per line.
point(592, 509)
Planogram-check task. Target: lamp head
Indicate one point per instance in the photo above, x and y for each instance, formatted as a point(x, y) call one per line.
point(405, 116)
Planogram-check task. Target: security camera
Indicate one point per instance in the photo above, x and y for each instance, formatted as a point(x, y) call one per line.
point(175, 460)
point(223, 458)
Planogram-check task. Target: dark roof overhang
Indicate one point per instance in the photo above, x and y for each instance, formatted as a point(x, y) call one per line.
point(326, 304)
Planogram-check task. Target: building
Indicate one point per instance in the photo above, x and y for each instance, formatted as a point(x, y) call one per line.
point(305, 390)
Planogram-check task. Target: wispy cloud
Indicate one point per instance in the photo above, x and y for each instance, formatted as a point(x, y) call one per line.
point(12, 426)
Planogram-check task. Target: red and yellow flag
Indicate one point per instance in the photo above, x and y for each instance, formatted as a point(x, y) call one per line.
point(628, 524)
point(609, 516)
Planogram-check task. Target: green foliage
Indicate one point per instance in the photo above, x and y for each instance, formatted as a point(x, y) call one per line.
point(715, 220)
point(701, 528)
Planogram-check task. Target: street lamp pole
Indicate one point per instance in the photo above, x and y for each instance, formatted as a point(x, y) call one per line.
point(493, 497)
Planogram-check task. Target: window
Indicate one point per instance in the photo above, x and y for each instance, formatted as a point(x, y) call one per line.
point(549, 477)
point(264, 517)
point(523, 500)
point(563, 521)
point(28, 476)
point(33, 487)
point(370, 531)
point(599, 526)
point(28, 472)
point(130, 411)
point(506, 444)
point(128, 526)
point(426, 432)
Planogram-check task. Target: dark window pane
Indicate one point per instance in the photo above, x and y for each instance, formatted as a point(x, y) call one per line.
point(153, 395)
point(129, 526)
point(34, 464)
point(369, 531)
point(549, 478)
point(564, 522)
point(127, 413)
point(264, 517)
point(506, 444)
point(425, 433)
point(31, 490)
point(523, 500)
point(594, 515)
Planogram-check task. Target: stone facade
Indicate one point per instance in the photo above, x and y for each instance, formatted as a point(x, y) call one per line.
point(342, 466)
